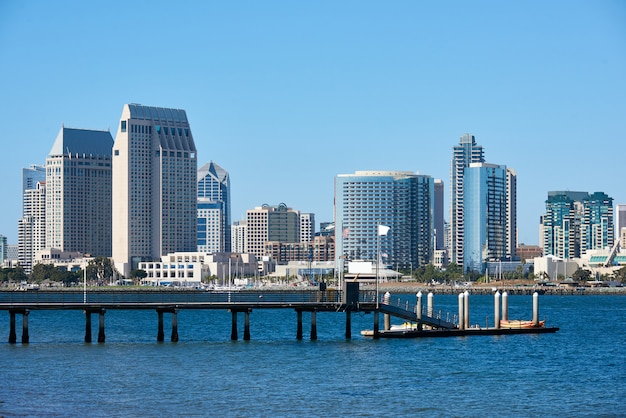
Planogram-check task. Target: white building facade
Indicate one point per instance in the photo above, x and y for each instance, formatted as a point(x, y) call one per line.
point(154, 186)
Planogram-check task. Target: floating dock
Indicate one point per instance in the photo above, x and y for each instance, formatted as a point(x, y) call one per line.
point(435, 333)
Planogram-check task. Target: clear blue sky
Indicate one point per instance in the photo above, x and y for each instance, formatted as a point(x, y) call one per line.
point(285, 95)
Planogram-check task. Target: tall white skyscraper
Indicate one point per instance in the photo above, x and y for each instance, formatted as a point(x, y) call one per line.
point(154, 186)
point(78, 192)
point(31, 228)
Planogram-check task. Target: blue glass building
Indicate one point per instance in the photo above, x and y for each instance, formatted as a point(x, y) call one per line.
point(485, 212)
point(214, 224)
point(401, 200)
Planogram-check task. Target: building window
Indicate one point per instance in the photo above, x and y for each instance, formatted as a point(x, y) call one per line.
point(123, 126)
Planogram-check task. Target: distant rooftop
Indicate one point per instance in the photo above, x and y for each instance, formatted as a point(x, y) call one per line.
point(71, 141)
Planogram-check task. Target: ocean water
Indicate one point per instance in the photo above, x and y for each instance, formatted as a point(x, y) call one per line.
point(578, 371)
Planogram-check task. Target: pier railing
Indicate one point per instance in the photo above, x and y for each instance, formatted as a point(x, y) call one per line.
point(433, 317)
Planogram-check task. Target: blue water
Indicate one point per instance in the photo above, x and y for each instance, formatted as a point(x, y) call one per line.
point(579, 371)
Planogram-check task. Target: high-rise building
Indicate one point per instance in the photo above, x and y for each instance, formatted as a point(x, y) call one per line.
point(621, 223)
point(78, 192)
point(154, 186)
point(239, 232)
point(438, 215)
point(3, 249)
point(271, 223)
point(402, 201)
point(485, 211)
point(489, 202)
point(214, 225)
point(31, 176)
point(597, 229)
point(511, 214)
point(31, 228)
point(561, 226)
point(465, 153)
point(307, 227)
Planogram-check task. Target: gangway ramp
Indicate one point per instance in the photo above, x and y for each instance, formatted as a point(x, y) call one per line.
point(435, 319)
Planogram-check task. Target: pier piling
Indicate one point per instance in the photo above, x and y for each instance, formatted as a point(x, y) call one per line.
point(160, 333)
point(174, 338)
point(461, 311)
point(348, 324)
point(505, 306)
point(12, 334)
point(233, 328)
point(25, 336)
point(101, 336)
point(313, 325)
point(299, 329)
point(535, 309)
point(87, 326)
point(246, 325)
point(496, 309)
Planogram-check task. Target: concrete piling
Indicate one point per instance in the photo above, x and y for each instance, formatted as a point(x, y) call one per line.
point(246, 325)
point(233, 328)
point(535, 309)
point(496, 309)
point(87, 326)
point(25, 336)
point(160, 333)
point(348, 324)
point(299, 329)
point(505, 306)
point(430, 303)
point(174, 337)
point(461, 311)
point(101, 336)
point(387, 317)
point(313, 325)
point(466, 312)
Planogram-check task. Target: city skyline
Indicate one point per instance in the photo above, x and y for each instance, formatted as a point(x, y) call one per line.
point(284, 107)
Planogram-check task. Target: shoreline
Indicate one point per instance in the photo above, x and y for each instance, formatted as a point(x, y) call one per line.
point(398, 288)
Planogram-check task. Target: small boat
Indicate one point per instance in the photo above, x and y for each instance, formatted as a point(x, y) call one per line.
point(520, 324)
point(407, 326)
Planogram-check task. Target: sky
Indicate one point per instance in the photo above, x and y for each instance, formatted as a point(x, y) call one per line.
point(285, 95)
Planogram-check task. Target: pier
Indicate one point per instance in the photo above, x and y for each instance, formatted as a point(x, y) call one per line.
point(429, 322)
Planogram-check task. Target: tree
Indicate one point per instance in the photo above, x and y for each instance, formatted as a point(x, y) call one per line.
point(99, 269)
point(137, 275)
point(581, 275)
point(620, 275)
point(41, 272)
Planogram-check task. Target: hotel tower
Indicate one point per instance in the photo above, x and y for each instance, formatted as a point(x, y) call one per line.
point(154, 186)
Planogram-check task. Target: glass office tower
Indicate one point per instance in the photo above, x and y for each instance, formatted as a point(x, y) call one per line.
point(486, 212)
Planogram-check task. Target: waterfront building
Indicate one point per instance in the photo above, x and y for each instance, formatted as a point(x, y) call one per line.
point(597, 230)
point(78, 192)
point(577, 222)
point(238, 234)
point(465, 153)
point(486, 213)
point(214, 224)
point(271, 223)
point(400, 200)
point(154, 186)
point(193, 269)
point(31, 228)
point(321, 248)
